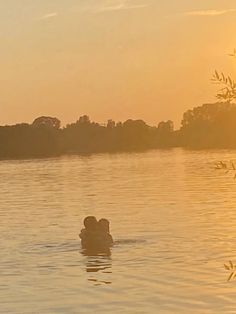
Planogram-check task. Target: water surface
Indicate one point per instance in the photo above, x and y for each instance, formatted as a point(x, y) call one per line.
point(173, 217)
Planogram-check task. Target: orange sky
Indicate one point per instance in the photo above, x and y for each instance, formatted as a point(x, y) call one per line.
point(115, 59)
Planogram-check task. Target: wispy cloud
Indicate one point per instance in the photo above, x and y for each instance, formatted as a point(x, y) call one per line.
point(48, 16)
point(122, 6)
point(104, 6)
point(209, 12)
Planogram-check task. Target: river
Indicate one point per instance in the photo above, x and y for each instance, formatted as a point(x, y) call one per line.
point(173, 218)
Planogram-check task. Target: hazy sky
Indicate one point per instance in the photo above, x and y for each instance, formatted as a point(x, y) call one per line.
point(148, 59)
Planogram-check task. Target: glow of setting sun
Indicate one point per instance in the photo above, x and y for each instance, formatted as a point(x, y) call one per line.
point(110, 59)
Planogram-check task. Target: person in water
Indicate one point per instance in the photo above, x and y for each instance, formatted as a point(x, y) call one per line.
point(96, 234)
point(104, 227)
point(88, 234)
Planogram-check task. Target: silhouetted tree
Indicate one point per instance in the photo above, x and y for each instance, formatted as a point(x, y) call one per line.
point(111, 124)
point(84, 120)
point(164, 133)
point(166, 127)
point(210, 125)
point(47, 122)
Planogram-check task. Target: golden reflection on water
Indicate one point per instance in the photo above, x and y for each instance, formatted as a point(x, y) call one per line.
point(98, 262)
point(172, 215)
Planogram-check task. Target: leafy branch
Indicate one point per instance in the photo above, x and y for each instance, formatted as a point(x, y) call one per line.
point(232, 268)
point(233, 54)
point(227, 167)
point(228, 91)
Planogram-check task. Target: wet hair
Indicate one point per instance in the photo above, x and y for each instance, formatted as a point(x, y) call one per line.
point(90, 222)
point(104, 225)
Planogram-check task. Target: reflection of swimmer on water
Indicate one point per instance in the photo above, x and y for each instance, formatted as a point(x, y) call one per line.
point(96, 234)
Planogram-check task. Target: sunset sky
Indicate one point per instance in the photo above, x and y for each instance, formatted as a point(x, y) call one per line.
point(144, 59)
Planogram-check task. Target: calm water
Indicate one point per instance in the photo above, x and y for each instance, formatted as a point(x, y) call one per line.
point(173, 217)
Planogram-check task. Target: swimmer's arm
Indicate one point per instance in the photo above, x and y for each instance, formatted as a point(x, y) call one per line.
point(82, 234)
point(111, 239)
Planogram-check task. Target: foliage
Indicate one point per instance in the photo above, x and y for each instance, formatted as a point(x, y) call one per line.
point(206, 126)
point(47, 122)
point(44, 137)
point(227, 167)
point(232, 269)
point(210, 126)
point(166, 127)
point(228, 91)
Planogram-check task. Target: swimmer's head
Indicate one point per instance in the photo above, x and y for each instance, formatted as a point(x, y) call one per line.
point(104, 225)
point(90, 223)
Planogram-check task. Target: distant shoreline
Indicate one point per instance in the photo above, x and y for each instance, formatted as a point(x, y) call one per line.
point(210, 126)
point(89, 154)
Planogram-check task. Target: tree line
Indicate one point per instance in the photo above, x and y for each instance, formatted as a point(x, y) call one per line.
point(206, 126)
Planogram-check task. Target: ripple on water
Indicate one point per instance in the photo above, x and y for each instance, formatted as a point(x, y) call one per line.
point(172, 216)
